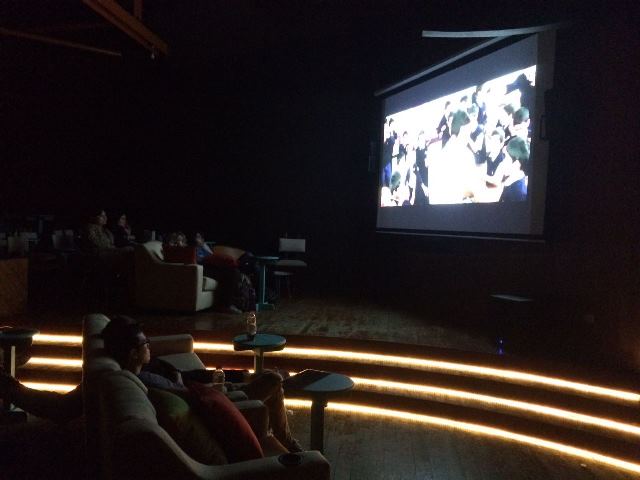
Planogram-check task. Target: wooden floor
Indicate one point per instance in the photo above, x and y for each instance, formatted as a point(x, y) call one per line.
point(370, 448)
point(365, 448)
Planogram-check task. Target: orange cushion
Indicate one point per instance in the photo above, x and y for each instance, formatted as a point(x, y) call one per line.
point(226, 423)
point(173, 254)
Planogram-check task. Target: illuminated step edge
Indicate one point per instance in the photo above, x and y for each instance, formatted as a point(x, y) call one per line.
point(446, 395)
point(475, 429)
point(492, 373)
point(513, 376)
point(545, 413)
point(439, 422)
point(51, 339)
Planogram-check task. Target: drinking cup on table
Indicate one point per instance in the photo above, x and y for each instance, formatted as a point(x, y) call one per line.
point(218, 380)
point(252, 326)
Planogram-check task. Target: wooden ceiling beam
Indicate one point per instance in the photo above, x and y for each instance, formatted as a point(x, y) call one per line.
point(56, 41)
point(129, 24)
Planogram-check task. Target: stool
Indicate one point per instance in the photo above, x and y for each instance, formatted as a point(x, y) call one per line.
point(510, 312)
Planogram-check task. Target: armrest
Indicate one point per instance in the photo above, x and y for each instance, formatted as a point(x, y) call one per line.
point(237, 396)
point(313, 466)
point(256, 414)
point(170, 344)
point(178, 272)
point(137, 439)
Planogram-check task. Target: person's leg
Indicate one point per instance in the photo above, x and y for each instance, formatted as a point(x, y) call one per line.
point(267, 387)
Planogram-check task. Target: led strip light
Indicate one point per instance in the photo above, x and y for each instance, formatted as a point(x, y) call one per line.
point(430, 392)
point(406, 362)
point(477, 429)
point(437, 422)
point(440, 366)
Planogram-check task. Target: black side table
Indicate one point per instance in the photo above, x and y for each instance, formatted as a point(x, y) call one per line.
point(259, 343)
point(319, 386)
point(12, 339)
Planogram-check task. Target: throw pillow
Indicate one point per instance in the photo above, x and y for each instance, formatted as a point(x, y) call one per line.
point(173, 254)
point(227, 424)
point(220, 260)
point(186, 427)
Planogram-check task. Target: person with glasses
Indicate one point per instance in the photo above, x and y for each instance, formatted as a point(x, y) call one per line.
point(125, 342)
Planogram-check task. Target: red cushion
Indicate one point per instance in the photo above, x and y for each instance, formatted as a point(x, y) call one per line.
point(174, 254)
point(227, 424)
point(220, 260)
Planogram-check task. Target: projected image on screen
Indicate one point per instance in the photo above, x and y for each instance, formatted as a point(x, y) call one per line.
point(470, 146)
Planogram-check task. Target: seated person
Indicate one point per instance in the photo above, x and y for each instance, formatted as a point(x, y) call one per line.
point(98, 241)
point(202, 249)
point(95, 235)
point(176, 239)
point(122, 232)
point(125, 341)
point(230, 267)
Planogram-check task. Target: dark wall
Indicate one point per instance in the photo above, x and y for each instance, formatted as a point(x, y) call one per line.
point(252, 148)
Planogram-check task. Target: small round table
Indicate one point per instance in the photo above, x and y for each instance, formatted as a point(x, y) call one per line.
point(319, 386)
point(259, 343)
point(12, 339)
point(262, 261)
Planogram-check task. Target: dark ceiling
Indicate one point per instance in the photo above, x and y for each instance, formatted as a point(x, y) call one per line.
point(209, 29)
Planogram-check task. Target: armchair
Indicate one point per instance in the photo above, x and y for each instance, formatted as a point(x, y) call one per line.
point(169, 286)
point(124, 439)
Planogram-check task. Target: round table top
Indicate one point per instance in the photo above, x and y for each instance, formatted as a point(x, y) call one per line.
point(11, 334)
point(267, 342)
point(318, 382)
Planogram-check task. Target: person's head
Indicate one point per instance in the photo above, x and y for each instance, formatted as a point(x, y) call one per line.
point(494, 141)
point(122, 220)
point(447, 107)
point(126, 343)
point(98, 216)
point(518, 150)
point(395, 181)
point(459, 120)
point(181, 239)
point(198, 239)
point(521, 116)
point(479, 95)
point(388, 128)
point(177, 239)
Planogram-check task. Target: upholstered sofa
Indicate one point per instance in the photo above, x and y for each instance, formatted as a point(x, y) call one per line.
point(125, 440)
point(169, 286)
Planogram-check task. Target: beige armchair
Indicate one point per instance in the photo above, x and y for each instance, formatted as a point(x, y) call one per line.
point(124, 439)
point(169, 286)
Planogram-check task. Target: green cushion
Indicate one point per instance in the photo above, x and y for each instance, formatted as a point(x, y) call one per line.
point(186, 428)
